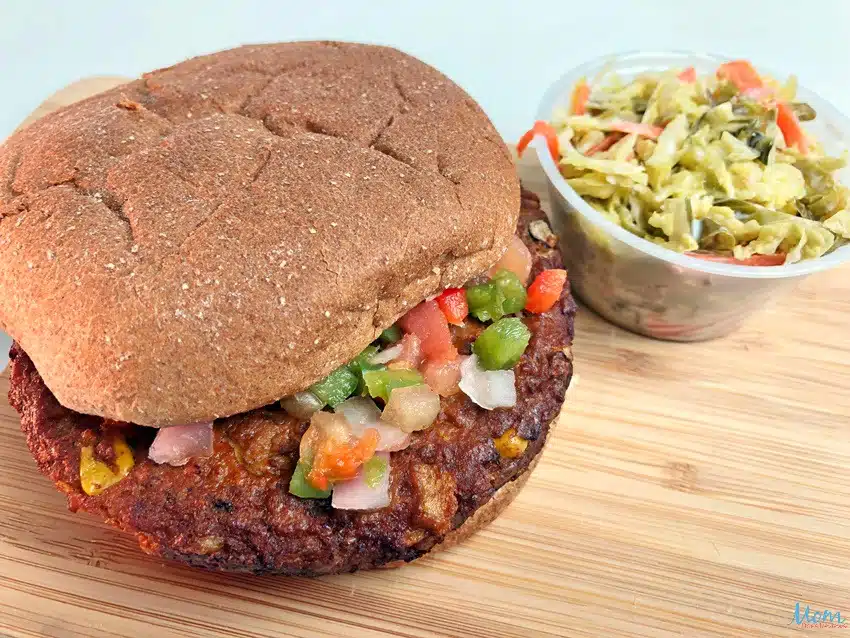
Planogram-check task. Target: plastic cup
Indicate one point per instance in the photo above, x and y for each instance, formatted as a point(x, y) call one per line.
point(644, 287)
point(5, 344)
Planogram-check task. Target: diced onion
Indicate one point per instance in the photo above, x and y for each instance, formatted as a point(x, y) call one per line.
point(410, 357)
point(442, 376)
point(412, 408)
point(301, 405)
point(362, 413)
point(488, 388)
point(177, 444)
point(517, 259)
point(359, 411)
point(385, 356)
point(356, 493)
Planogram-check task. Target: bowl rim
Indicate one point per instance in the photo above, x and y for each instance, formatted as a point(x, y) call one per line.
point(553, 175)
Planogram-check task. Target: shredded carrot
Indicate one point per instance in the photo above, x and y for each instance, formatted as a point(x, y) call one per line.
point(689, 75)
point(605, 144)
point(581, 94)
point(790, 127)
point(776, 259)
point(644, 130)
point(740, 73)
point(540, 128)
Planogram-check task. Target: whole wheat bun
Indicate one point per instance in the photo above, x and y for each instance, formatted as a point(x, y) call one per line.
point(227, 231)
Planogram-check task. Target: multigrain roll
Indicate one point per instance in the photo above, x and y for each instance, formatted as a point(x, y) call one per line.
point(221, 281)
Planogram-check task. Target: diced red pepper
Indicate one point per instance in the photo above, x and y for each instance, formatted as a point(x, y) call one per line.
point(581, 94)
point(545, 290)
point(740, 73)
point(689, 75)
point(644, 130)
point(604, 145)
point(335, 461)
point(790, 127)
point(546, 130)
point(452, 302)
point(429, 323)
point(777, 259)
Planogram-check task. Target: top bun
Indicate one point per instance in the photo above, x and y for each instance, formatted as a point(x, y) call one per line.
point(223, 232)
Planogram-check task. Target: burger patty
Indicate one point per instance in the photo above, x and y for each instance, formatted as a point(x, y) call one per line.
point(234, 511)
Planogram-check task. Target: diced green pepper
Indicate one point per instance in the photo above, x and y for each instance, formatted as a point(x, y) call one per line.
point(485, 301)
point(512, 290)
point(503, 295)
point(380, 383)
point(373, 470)
point(391, 335)
point(336, 387)
point(501, 345)
point(362, 362)
point(300, 486)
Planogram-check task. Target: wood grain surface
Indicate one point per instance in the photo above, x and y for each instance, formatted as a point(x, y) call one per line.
point(689, 490)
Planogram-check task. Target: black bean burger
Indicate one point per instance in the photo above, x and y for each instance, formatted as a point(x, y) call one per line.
point(283, 308)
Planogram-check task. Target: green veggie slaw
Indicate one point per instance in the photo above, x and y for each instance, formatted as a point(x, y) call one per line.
point(702, 166)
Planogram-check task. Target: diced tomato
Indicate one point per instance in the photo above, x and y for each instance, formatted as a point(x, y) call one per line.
point(335, 461)
point(411, 354)
point(442, 377)
point(546, 130)
point(644, 130)
point(604, 145)
point(581, 94)
point(776, 259)
point(790, 127)
point(689, 75)
point(545, 290)
point(429, 323)
point(452, 302)
point(517, 259)
point(740, 73)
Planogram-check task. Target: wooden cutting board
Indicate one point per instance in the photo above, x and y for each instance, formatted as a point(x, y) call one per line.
point(690, 490)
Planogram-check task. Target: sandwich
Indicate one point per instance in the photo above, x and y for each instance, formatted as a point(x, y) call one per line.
point(283, 308)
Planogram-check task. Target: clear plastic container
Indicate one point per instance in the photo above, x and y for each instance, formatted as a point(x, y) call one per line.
point(649, 289)
point(5, 344)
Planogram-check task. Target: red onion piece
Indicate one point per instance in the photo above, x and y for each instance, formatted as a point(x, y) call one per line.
point(356, 493)
point(177, 444)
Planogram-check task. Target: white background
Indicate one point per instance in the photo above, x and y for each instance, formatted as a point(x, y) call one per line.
point(504, 53)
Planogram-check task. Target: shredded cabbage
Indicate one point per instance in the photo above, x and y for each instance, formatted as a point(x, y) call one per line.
point(673, 221)
point(661, 163)
point(839, 224)
point(701, 166)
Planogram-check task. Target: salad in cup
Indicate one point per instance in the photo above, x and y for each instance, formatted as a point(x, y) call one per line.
point(715, 166)
point(688, 189)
